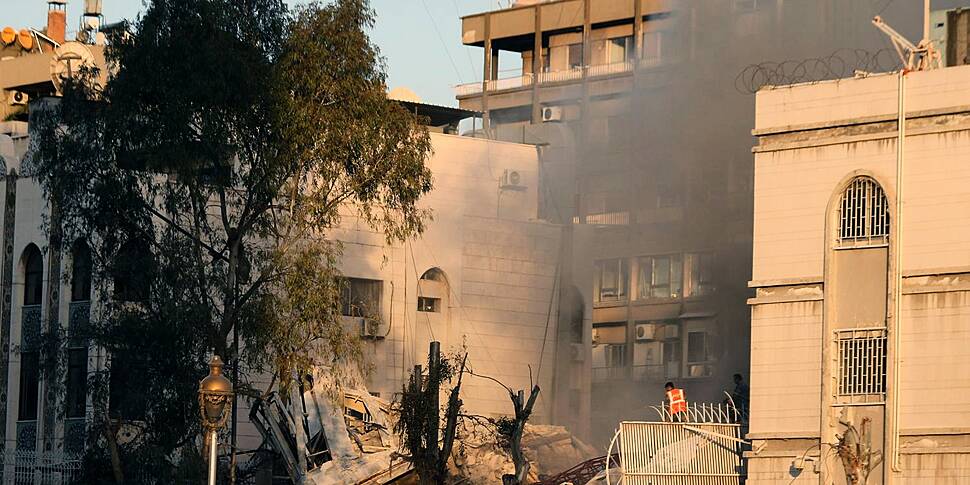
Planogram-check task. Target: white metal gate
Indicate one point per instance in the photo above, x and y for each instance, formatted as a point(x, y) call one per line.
point(680, 453)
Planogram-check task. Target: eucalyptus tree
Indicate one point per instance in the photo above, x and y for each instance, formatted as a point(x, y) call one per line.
point(206, 174)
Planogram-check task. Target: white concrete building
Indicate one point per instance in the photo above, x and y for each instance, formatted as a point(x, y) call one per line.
point(833, 340)
point(482, 276)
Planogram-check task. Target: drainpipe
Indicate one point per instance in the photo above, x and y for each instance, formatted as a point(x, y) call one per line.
point(898, 280)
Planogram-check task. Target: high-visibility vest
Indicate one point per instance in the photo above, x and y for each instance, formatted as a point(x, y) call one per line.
point(677, 402)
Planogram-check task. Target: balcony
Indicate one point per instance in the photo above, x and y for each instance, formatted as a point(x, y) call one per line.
point(551, 77)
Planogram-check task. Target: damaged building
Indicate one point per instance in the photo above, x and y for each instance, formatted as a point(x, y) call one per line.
point(646, 160)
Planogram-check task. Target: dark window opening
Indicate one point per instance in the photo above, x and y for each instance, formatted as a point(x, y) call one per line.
point(33, 276)
point(360, 297)
point(427, 304)
point(29, 378)
point(77, 382)
point(81, 272)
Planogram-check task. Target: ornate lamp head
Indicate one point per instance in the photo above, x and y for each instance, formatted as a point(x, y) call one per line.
point(215, 396)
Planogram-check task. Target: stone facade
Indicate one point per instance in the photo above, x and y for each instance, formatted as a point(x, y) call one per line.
point(822, 289)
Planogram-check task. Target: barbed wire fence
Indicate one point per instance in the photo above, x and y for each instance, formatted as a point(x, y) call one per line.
point(842, 63)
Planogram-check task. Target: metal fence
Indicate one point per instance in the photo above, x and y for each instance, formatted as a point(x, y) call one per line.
point(667, 453)
point(32, 468)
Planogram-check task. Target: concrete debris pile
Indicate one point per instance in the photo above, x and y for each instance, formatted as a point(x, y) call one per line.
point(328, 440)
point(480, 459)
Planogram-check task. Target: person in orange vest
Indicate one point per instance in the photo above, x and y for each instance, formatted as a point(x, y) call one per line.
point(676, 402)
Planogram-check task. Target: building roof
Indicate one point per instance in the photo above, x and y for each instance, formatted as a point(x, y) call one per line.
point(438, 115)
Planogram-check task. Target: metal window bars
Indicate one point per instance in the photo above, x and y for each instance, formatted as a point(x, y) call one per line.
point(863, 214)
point(861, 376)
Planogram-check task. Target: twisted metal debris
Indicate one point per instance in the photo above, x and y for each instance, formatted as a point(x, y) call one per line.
point(842, 63)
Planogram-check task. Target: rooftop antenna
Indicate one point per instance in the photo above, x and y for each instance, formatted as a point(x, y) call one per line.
point(918, 57)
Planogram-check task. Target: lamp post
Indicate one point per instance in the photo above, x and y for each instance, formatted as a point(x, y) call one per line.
point(215, 401)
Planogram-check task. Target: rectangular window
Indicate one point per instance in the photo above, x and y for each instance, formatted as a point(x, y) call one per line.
point(575, 56)
point(29, 377)
point(77, 382)
point(697, 348)
point(660, 277)
point(426, 304)
point(360, 297)
point(619, 49)
point(609, 361)
point(611, 277)
point(700, 269)
point(862, 362)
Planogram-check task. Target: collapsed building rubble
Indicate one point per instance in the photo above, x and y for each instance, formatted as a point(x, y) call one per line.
point(328, 440)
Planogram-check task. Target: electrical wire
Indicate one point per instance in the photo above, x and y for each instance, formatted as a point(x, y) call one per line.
point(441, 39)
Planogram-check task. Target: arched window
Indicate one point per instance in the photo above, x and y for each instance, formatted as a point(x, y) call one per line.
point(863, 214)
point(80, 271)
point(33, 276)
point(431, 294)
point(30, 329)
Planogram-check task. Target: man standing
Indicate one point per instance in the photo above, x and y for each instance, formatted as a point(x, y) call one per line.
point(740, 394)
point(676, 403)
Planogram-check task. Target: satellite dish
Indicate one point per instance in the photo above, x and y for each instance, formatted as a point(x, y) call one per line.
point(68, 59)
point(8, 35)
point(25, 39)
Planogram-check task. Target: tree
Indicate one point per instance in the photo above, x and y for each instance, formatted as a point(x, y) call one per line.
point(205, 174)
point(419, 424)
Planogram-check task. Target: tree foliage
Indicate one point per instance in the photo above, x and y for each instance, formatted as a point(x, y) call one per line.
point(205, 175)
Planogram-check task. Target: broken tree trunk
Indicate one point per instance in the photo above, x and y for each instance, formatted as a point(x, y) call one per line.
point(523, 409)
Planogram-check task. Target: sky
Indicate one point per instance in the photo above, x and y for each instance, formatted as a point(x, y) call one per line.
point(420, 39)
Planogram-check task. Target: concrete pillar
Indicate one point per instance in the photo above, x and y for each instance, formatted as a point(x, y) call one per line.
point(536, 64)
point(487, 74)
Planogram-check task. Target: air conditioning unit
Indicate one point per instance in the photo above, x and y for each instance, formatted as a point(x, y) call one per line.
point(671, 331)
point(19, 98)
point(551, 113)
point(577, 352)
point(646, 331)
point(370, 328)
point(512, 179)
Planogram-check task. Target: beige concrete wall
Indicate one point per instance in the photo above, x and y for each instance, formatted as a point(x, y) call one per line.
point(814, 138)
point(793, 188)
point(786, 376)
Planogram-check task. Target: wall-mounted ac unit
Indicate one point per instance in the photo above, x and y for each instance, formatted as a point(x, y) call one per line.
point(512, 179)
point(577, 352)
point(370, 328)
point(671, 331)
point(551, 113)
point(646, 331)
point(18, 98)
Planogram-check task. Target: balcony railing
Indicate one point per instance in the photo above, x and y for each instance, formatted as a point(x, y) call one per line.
point(546, 77)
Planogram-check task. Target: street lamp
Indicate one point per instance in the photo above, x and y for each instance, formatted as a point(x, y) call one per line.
point(215, 401)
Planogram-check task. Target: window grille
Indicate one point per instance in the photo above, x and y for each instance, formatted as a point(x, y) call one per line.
point(863, 214)
point(862, 364)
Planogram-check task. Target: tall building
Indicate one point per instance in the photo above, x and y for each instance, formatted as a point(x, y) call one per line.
point(646, 159)
point(862, 316)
